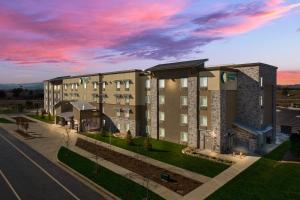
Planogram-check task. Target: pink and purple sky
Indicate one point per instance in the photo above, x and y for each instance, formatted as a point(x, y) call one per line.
point(42, 39)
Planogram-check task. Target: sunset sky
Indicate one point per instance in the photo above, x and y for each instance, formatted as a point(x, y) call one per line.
point(42, 39)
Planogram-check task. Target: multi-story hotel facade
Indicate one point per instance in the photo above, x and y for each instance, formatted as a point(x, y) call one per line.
point(221, 108)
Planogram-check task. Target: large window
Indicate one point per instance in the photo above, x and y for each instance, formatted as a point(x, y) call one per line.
point(203, 120)
point(147, 83)
point(118, 113)
point(148, 116)
point(161, 99)
point(66, 86)
point(127, 113)
point(261, 100)
point(119, 126)
point(261, 82)
point(161, 116)
point(184, 100)
point(184, 136)
point(118, 85)
point(127, 127)
point(103, 85)
point(184, 82)
point(127, 85)
point(162, 132)
point(203, 82)
point(84, 85)
point(183, 119)
point(127, 99)
point(147, 99)
point(95, 85)
point(161, 83)
point(203, 101)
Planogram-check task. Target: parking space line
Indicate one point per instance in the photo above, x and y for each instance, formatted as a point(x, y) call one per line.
point(42, 169)
point(9, 185)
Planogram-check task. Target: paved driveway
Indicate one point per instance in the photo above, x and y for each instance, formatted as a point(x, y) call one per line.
point(26, 174)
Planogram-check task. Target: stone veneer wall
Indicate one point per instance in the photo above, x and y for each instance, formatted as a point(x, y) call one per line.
point(248, 91)
point(269, 75)
point(192, 112)
point(154, 108)
point(218, 119)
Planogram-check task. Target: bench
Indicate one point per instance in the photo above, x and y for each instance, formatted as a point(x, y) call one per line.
point(165, 177)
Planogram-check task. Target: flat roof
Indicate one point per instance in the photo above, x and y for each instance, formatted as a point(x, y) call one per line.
point(178, 65)
point(246, 65)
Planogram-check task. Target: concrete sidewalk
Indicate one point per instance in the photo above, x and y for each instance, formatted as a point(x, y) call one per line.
point(53, 136)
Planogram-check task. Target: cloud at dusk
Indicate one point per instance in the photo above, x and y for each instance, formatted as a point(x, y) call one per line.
point(77, 32)
point(288, 77)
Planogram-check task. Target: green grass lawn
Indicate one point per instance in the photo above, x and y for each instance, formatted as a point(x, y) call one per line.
point(116, 184)
point(169, 153)
point(5, 121)
point(265, 179)
point(45, 119)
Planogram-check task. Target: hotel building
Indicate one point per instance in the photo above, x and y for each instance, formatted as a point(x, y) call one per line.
point(221, 108)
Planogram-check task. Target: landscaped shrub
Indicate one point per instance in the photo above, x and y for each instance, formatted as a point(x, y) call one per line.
point(129, 138)
point(147, 144)
point(295, 144)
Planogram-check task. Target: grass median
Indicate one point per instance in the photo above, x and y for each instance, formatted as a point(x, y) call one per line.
point(6, 121)
point(266, 179)
point(167, 152)
point(43, 119)
point(115, 183)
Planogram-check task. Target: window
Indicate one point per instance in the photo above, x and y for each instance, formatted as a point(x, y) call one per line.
point(161, 116)
point(147, 99)
point(118, 126)
point(147, 84)
point(66, 86)
point(54, 87)
point(184, 136)
point(103, 109)
point(183, 119)
point(203, 101)
point(95, 85)
point(127, 113)
point(103, 122)
point(161, 99)
point(261, 100)
point(118, 85)
point(261, 82)
point(148, 116)
point(127, 85)
point(161, 83)
point(72, 87)
point(118, 113)
point(118, 100)
point(103, 85)
point(203, 120)
point(184, 100)
point(184, 82)
point(84, 85)
point(76, 86)
point(203, 82)
point(46, 87)
point(148, 129)
point(127, 99)
point(58, 87)
point(127, 127)
point(162, 133)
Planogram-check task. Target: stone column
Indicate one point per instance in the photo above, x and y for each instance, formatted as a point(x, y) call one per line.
point(192, 112)
point(154, 108)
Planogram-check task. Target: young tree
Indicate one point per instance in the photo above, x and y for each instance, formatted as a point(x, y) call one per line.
point(26, 126)
point(147, 143)
point(129, 138)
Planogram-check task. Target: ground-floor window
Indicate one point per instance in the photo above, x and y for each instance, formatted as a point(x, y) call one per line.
point(183, 136)
point(119, 126)
point(127, 127)
point(162, 132)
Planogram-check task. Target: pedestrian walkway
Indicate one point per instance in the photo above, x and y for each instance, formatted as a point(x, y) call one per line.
point(53, 136)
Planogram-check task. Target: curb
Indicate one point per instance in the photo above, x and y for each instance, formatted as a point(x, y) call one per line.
point(106, 195)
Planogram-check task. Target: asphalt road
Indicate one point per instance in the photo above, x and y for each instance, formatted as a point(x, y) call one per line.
point(25, 174)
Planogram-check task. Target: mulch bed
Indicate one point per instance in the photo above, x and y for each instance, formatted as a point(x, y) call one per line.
point(23, 119)
point(179, 184)
point(22, 133)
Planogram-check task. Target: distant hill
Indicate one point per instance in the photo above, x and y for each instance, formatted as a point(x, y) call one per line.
point(292, 87)
point(29, 86)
